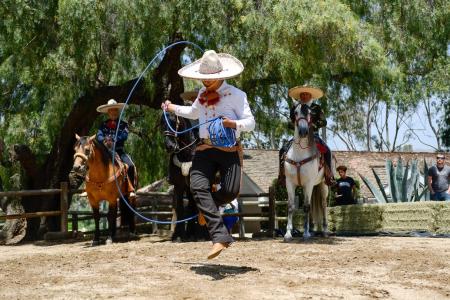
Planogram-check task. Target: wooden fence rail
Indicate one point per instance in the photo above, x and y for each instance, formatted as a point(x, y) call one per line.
point(154, 201)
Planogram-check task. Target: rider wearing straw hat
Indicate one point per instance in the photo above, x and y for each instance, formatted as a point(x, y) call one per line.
point(216, 98)
point(107, 132)
point(306, 95)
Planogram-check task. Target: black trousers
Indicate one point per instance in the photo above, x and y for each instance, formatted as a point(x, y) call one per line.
point(205, 165)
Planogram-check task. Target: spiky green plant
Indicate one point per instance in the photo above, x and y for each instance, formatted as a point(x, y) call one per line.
point(403, 182)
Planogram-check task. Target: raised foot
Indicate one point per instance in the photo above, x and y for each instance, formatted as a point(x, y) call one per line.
point(216, 249)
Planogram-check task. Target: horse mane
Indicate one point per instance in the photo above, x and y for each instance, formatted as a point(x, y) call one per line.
point(311, 140)
point(106, 155)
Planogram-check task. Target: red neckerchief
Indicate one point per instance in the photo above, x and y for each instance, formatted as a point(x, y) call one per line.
point(209, 97)
point(111, 124)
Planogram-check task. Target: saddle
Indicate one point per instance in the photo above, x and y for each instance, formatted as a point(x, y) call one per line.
point(123, 167)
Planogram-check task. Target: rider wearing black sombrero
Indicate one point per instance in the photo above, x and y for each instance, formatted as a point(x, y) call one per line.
point(307, 95)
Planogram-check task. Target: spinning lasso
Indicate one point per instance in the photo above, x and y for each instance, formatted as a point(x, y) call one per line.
point(117, 132)
point(219, 135)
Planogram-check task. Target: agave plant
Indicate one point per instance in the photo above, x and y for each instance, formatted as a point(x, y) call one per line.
point(403, 183)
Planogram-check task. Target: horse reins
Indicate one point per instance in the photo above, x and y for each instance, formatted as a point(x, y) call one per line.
point(175, 135)
point(308, 121)
point(98, 184)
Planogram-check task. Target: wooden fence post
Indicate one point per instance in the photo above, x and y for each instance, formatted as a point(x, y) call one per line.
point(64, 205)
point(241, 218)
point(272, 212)
point(154, 209)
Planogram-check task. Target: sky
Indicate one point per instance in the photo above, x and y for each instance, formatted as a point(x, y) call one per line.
point(417, 121)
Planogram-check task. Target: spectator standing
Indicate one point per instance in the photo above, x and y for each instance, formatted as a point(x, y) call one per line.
point(345, 186)
point(438, 176)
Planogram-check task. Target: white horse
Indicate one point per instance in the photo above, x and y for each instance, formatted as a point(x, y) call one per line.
point(301, 165)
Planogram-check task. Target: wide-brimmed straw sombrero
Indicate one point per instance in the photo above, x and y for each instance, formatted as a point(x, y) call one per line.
point(295, 92)
point(213, 66)
point(189, 96)
point(111, 104)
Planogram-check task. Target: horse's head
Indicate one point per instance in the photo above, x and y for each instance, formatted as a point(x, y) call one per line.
point(176, 143)
point(83, 150)
point(301, 117)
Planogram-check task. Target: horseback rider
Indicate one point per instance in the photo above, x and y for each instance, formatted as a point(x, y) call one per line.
point(216, 99)
point(107, 132)
point(307, 95)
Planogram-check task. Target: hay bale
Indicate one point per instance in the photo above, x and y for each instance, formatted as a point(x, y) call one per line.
point(406, 217)
point(430, 216)
point(358, 219)
point(442, 220)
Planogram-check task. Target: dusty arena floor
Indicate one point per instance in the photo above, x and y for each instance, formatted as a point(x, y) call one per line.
point(152, 268)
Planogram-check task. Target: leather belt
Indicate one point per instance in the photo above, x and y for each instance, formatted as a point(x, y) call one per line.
point(203, 145)
point(208, 142)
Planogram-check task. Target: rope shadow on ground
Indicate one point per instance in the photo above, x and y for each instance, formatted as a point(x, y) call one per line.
point(315, 240)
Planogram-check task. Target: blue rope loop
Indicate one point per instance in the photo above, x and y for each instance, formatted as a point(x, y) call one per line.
point(166, 113)
point(122, 197)
point(221, 136)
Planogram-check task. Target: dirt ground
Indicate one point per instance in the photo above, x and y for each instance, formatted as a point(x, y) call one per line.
point(153, 268)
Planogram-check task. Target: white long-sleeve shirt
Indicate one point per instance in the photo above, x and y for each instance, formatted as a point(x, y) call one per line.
point(233, 104)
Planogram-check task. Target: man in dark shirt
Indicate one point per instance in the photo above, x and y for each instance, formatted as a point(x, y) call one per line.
point(345, 188)
point(438, 176)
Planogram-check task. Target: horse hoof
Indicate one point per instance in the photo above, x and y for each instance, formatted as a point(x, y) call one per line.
point(306, 236)
point(177, 239)
point(287, 239)
point(109, 241)
point(95, 243)
point(325, 234)
point(133, 236)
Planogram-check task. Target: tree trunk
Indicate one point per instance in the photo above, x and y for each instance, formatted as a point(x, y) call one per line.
point(59, 161)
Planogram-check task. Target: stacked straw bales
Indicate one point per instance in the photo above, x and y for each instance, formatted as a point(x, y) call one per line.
point(369, 219)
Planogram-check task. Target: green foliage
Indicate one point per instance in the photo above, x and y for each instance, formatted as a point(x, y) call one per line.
point(403, 183)
point(54, 52)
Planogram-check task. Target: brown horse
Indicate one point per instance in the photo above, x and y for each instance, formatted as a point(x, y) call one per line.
point(101, 184)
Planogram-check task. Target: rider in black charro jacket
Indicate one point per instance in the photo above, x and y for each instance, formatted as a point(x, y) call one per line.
point(107, 132)
point(306, 95)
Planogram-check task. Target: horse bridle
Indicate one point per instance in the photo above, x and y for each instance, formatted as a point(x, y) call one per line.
point(308, 120)
point(87, 153)
point(308, 115)
point(172, 134)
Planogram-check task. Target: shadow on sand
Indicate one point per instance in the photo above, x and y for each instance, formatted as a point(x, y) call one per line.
point(219, 272)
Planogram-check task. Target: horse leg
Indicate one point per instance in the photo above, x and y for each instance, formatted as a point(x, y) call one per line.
point(131, 220)
point(179, 233)
point(324, 197)
point(127, 216)
point(307, 192)
point(291, 206)
point(112, 216)
point(191, 210)
point(96, 214)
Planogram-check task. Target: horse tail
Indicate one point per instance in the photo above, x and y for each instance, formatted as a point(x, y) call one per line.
point(318, 204)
